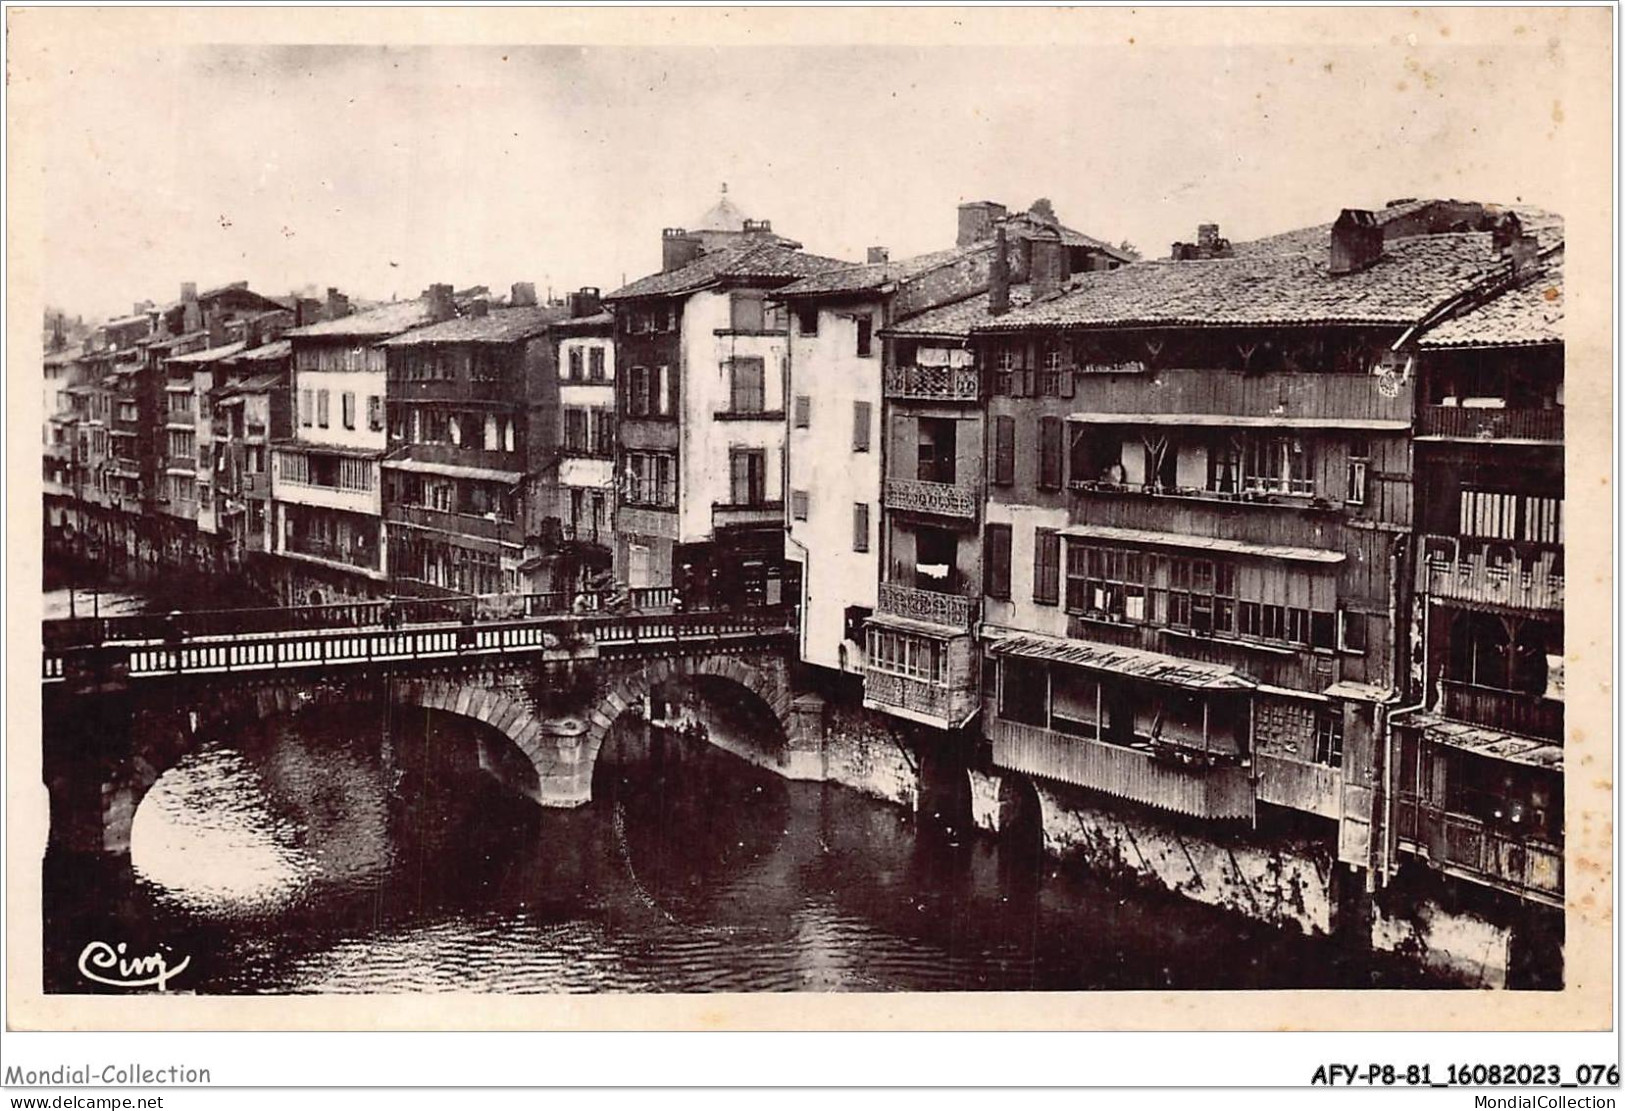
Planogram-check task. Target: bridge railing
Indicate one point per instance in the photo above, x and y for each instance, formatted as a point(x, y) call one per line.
point(394, 612)
point(329, 647)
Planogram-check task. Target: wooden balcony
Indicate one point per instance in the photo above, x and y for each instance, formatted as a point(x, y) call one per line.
point(457, 524)
point(955, 611)
point(1513, 711)
point(1279, 396)
point(1466, 846)
point(1491, 573)
point(1452, 422)
point(1221, 792)
point(1300, 785)
point(941, 499)
point(932, 383)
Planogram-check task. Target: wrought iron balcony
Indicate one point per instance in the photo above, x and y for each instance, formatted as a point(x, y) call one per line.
point(942, 499)
point(952, 610)
point(933, 383)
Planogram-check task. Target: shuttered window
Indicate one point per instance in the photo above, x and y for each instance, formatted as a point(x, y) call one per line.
point(860, 527)
point(1046, 566)
point(996, 558)
point(1049, 453)
point(860, 425)
point(1004, 450)
point(803, 411)
point(798, 504)
point(748, 376)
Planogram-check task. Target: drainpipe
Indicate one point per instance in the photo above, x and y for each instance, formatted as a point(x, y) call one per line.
point(1383, 715)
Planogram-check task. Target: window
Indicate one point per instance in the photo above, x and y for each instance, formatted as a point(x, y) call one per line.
point(746, 310)
point(1277, 465)
point(866, 327)
point(306, 409)
point(1329, 738)
point(661, 389)
point(321, 408)
point(375, 413)
point(803, 411)
point(1359, 466)
point(347, 408)
point(1004, 450)
point(997, 554)
point(575, 364)
point(860, 527)
point(595, 364)
point(807, 320)
point(1500, 516)
point(860, 425)
point(748, 475)
point(1046, 566)
point(649, 479)
point(1353, 632)
point(748, 385)
point(602, 439)
point(575, 431)
point(637, 392)
point(909, 656)
point(1049, 453)
point(798, 504)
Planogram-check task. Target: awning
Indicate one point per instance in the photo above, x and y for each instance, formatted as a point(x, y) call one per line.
point(1204, 543)
point(1483, 741)
point(1226, 420)
point(1350, 691)
point(1131, 663)
point(450, 470)
point(914, 625)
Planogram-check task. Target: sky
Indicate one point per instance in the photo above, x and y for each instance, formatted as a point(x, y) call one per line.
point(380, 170)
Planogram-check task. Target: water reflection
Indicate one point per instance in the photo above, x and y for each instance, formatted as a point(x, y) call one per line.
point(367, 851)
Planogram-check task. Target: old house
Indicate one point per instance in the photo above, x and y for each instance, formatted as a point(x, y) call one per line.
point(585, 490)
point(700, 384)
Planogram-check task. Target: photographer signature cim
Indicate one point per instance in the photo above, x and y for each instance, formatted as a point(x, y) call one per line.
point(107, 964)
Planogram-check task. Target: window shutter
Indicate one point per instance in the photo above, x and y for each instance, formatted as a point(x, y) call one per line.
point(860, 527)
point(1046, 566)
point(860, 426)
point(1049, 453)
point(997, 561)
point(1004, 450)
point(803, 411)
point(798, 504)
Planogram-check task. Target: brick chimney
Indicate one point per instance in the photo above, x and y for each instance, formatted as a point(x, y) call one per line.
point(976, 221)
point(1049, 267)
point(585, 302)
point(1356, 241)
point(441, 305)
point(1208, 245)
point(524, 294)
point(191, 314)
point(998, 291)
point(758, 227)
point(338, 305)
point(678, 249)
point(879, 254)
point(478, 307)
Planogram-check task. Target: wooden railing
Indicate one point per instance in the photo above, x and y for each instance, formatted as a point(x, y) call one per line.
point(953, 610)
point(1220, 792)
point(1457, 423)
point(942, 499)
point(1523, 865)
point(1300, 785)
point(576, 634)
point(1514, 711)
point(933, 383)
point(1492, 572)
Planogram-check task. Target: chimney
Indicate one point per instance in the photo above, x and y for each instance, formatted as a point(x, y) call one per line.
point(479, 307)
point(1049, 267)
point(678, 249)
point(1356, 241)
point(1207, 236)
point(252, 333)
point(441, 305)
point(306, 310)
point(585, 302)
point(338, 305)
point(998, 291)
point(879, 254)
point(758, 227)
point(216, 327)
point(976, 220)
point(191, 315)
point(524, 294)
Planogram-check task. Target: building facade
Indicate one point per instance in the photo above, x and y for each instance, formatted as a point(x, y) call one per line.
point(585, 491)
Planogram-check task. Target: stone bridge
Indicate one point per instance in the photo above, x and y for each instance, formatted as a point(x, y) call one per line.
point(122, 706)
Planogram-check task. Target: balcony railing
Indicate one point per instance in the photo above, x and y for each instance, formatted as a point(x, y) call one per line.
point(1457, 423)
point(1220, 792)
point(952, 610)
point(354, 555)
point(1522, 865)
point(1492, 572)
point(734, 515)
point(933, 383)
point(1514, 711)
point(942, 499)
point(916, 696)
point(461, 524)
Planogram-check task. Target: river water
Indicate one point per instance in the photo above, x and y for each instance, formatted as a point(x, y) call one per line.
point(368, 850)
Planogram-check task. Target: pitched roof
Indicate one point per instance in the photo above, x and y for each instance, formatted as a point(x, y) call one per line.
point(875, 275)
point(496, 326)
point(1547, 227)
point(1526, 315)
point(955, 320)
point(280, 349)
point(598, 321)
point(386, 320)
point(747, 261)
point(209, 354)
point(1412, 277)
point(1071, 237)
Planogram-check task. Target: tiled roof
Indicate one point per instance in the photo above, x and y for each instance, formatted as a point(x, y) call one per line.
point(258, 383)
point(209, 354)
point(1069, 236)
point(1547, 227)
point(175, 341)
point(280, 349)
point(1526, 315)
point(746, 261)
point(496, 326)
point(1413, 277)
point(596, 322)
point(874, 275)
point(956, 319)
point(386, 320)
